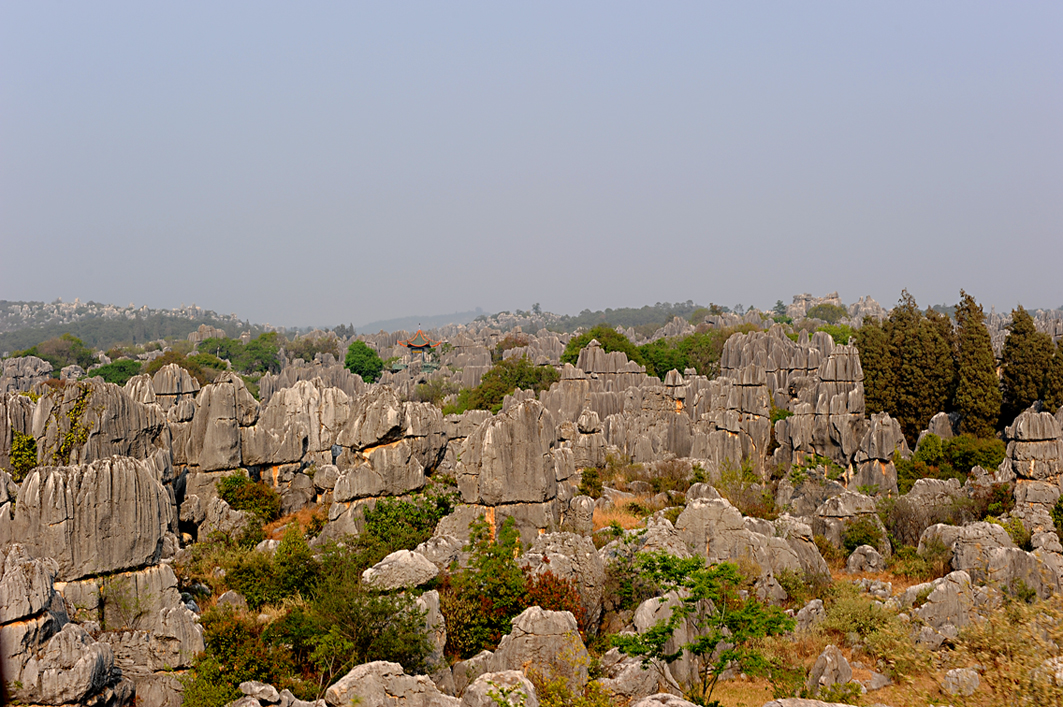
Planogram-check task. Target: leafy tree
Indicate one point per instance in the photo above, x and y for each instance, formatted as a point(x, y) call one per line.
point(978, 396)
point(875, 358)
point(65, 350)
point(1052, 388)
point(243, 494)
point(841, 333)
point(830, 313)
point(609, 338)
point(503, 378)
point(724, 623)
point(194, 369)
point(364, 361)
point(662, 356)
point(307, 348)
point(117, 372)
point(1027, 353)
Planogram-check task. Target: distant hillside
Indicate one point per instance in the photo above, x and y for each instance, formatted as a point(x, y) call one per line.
point(657, 314)
point(413, 323)
point(100, 326)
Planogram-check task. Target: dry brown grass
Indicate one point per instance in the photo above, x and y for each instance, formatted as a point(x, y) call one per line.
point(629, 514)
point(304, 517)
point(900, 582)
point(743, 693)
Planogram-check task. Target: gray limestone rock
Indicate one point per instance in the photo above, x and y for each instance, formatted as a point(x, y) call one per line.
point(21, 373)
point(384, 684)
point(400, 569)
point(716, 530)
point(571, 557)
point(810, 615)
point(836, 514)
point(233, 599)
point(865, 559)
point(170, 385)
point(265, 694)
point(70, 668)
point(545, 641)
point(831, 668)
point(25, 583)
point(508, 688)
point(107, 516)
point(960, 682)
point(507, 460)
point(952, 601)
point(221, 518)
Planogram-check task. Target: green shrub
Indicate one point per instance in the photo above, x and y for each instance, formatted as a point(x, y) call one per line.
point(243, 494)
point(194, 369)
point(841, 333)
point(833, 555)
point(933, 563)
point(118, 372)
point(830, 313)
point(862, 531)
point(23, 455)
point(479, 601)
point(503, 378)
point(364, 361)
point(1019, 534)
point(590, 483)
point(608, 337)
point(65, 350)
point(744, 489)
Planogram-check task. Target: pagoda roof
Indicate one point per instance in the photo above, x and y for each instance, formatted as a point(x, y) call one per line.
point(419, 341)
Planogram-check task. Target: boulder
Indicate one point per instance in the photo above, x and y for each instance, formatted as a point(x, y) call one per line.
point(865, 559)
point(69, 669)
point(960, 682)
point(716, 530)
point(401, 569)
point(831, 668)
point(547, 642)
point(384, 684)
point(810, 615)
point(663, 699)
point(25, 583)
point(221, 518)
point(508, 688)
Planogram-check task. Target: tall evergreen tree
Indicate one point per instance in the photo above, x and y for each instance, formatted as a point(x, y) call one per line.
point(1027, 353)
point(906, 352)
point(1052, 389)
point(978, 390)
point(879, 377)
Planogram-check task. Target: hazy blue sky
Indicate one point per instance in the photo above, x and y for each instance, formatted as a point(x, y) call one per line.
point(318, 163)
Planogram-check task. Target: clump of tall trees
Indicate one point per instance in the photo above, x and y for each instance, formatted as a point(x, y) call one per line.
point(918, 363)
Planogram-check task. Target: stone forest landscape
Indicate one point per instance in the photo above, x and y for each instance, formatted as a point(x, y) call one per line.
point(838, 502)
point(531, 354)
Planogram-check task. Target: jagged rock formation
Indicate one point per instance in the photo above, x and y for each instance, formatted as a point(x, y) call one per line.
point(21, 374)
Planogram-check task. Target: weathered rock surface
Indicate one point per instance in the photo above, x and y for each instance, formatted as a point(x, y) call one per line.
point(509, 688)
point(384, 684)
point(571, 557)
point(107, 516)
point(831, 668)
point(400, 569)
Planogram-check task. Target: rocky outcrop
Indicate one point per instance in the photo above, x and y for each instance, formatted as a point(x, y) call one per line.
point(508, 688)
point(107, 516)
point(571, 557)
point(834, 517)
point(89, 420)
point(384, 684)
point(874, 456)
point(22, 373)
point(401, 569)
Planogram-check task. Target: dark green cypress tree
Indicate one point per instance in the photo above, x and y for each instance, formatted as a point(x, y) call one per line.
point(978, 390)
point(879, 377)
point(1027, 353)
point(940, 335)
point(905, 333)
point(1052, 389)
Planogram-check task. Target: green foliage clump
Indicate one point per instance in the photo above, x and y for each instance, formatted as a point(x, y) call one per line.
point(209, 361)
point(291, 571)
point(700, 351)
point(608, 337)
point(193, 368)
point(363, 361)
point(503, 378)
point(744, 489)
point(479, 602)
point(434, 390)
point(862, 531)
point(590, 483)
point(306, 347)
point(1025, 360)
point(65, 350)
point(243, 494)
point(1057, 516)
point(259, 355)
point(830, 313)
point(117, 372)
point(954, 458)
point(650, 316)
point(931, 564)
point(978, 397)
point(23, 455)
point(840, 333)
point(725, 624)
